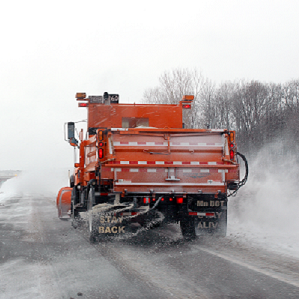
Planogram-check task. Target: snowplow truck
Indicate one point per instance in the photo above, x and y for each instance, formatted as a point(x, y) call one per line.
point(138, 168)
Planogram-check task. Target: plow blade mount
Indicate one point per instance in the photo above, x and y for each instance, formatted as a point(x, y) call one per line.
point(63, 202)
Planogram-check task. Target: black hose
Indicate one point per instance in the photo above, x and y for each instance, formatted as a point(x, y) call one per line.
point(244, 180)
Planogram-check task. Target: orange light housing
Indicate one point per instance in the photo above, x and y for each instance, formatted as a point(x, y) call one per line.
point(80, 95)
point(100, 135)
point(188, 98)
point(231, 136)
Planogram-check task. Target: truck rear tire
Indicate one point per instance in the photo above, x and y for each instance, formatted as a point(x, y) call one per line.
point(188, 228)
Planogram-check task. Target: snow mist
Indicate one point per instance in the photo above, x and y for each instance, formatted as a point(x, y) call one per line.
point(265, 209)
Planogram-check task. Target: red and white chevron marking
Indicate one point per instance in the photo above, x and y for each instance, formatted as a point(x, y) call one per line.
point(165, 163)
point(139, 143)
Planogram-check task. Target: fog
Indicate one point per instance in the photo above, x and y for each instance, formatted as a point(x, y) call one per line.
point(265, 210)
point(35, 182)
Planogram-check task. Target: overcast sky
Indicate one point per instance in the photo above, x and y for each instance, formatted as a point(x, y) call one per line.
point(52, 49)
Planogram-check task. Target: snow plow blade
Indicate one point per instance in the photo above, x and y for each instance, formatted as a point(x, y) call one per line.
point(63, 202)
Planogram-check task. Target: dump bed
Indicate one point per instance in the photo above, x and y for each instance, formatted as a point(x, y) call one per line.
point(169, 160)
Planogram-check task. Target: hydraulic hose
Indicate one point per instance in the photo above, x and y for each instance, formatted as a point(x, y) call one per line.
point(244, 180)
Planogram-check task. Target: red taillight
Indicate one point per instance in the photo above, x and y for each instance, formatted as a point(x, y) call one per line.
point(101, 153)
point(83, 105)
point(170, 199)
point(210, 214)
point(146, 200)
point(162, 199)
point(101, 143)
point(186, 106)
point(179, 200)
point(232, 154)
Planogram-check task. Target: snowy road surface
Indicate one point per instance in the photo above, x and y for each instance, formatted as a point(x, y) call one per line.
point(44, 257)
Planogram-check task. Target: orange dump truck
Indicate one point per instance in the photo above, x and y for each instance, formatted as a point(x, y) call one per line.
point(138, 167)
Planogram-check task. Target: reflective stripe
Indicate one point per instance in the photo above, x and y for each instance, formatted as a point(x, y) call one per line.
point(210, 183)
point(150, 143)
point(202, 214)
point(167, 162)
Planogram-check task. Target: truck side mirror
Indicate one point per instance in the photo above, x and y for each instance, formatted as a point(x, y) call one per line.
point(70, 130)
point(71, 134)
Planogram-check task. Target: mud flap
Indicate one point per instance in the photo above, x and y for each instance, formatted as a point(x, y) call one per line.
point(216, 226)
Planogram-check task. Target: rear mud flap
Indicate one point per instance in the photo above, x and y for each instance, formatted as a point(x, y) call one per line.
point(216, 225)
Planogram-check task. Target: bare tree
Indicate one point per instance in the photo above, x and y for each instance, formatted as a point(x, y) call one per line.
point(173, 86)
point(259, 112)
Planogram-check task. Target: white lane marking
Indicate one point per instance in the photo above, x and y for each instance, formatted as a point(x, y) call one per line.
point(253, 268)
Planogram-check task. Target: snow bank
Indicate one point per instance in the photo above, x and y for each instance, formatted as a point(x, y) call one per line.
point(265, 210)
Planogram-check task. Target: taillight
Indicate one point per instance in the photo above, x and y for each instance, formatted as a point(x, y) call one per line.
point(186, 106)
point(232, 154)
point(231, 151)
point(146, 200)
point(170, 199)
point(101, 153)
point(83, 105)
point(179, 200)
point(101, 143)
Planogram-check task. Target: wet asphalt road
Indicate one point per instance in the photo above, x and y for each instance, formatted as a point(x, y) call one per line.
point(44, 257)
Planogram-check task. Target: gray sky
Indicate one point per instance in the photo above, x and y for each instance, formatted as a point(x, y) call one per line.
point(52, 49)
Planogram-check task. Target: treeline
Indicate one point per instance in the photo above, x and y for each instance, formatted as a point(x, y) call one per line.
point(260, 113)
